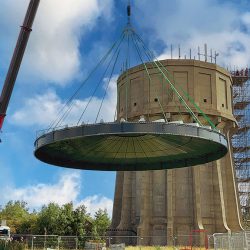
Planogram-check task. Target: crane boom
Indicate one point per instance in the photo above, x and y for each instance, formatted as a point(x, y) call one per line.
point(17, 57)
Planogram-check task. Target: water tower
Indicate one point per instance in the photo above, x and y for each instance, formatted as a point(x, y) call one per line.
point(156, 204)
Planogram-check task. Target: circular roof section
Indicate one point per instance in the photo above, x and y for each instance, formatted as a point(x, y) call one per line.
point(130, 146)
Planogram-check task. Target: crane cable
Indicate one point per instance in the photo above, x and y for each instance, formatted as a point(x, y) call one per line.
point(158, 99)
point(189, 98)
point(149, 77)
point(69, 102)
point(137, 41)
point(101, 78)
point(110, 77)
point(176, 92)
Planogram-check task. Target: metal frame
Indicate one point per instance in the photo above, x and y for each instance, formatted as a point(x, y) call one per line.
point(192, 145)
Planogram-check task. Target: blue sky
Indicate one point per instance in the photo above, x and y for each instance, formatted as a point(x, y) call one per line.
point(68, 38)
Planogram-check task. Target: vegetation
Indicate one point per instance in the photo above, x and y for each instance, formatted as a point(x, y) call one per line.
point(19, 246)
point(11, 245)
point(162, 248)
point(54, 220)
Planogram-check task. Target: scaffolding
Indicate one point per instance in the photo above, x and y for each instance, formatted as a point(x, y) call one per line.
point(241, 140)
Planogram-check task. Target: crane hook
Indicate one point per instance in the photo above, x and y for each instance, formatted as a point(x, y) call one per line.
point(129, 11)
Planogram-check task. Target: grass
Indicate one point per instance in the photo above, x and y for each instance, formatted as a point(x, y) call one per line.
point(11, 245)
point(163, 248)
point(21, 246)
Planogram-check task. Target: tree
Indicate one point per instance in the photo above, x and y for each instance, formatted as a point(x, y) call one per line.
point(64, 220)
point(48, 219)
point(82, 222)
point(101, 222)
point(16, 213)
point(55, 220)
point(29, 225)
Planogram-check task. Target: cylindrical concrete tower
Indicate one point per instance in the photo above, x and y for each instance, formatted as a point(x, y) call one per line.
point(169, 203)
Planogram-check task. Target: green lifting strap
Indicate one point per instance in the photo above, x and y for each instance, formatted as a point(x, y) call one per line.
point(150, 80)
point(191, 100)
point(184, 92)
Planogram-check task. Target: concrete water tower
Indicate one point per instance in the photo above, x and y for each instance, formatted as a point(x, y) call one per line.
point(159, 205)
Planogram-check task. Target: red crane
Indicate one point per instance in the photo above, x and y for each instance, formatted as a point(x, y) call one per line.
point(17, 57)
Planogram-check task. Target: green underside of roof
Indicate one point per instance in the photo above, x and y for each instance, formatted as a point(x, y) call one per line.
point(137, 152)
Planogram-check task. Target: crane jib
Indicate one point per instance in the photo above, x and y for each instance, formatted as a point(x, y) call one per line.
point(17, 57)
point(1, 120)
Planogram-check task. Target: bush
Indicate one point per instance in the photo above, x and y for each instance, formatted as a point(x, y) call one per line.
point(11, 245)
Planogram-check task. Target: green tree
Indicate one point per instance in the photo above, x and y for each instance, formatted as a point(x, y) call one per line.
point(48, 219)
point(16, 213)
point(83, 225)
point(66, 220)
point(82, 222)
point(29, 225)
point(101, 222)
point(55, 219)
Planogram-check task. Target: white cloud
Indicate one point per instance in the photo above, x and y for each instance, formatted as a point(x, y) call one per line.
point(53, 51)
point(67, 189)
point(41, 110)
point(93, 203)
point(195, 22)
